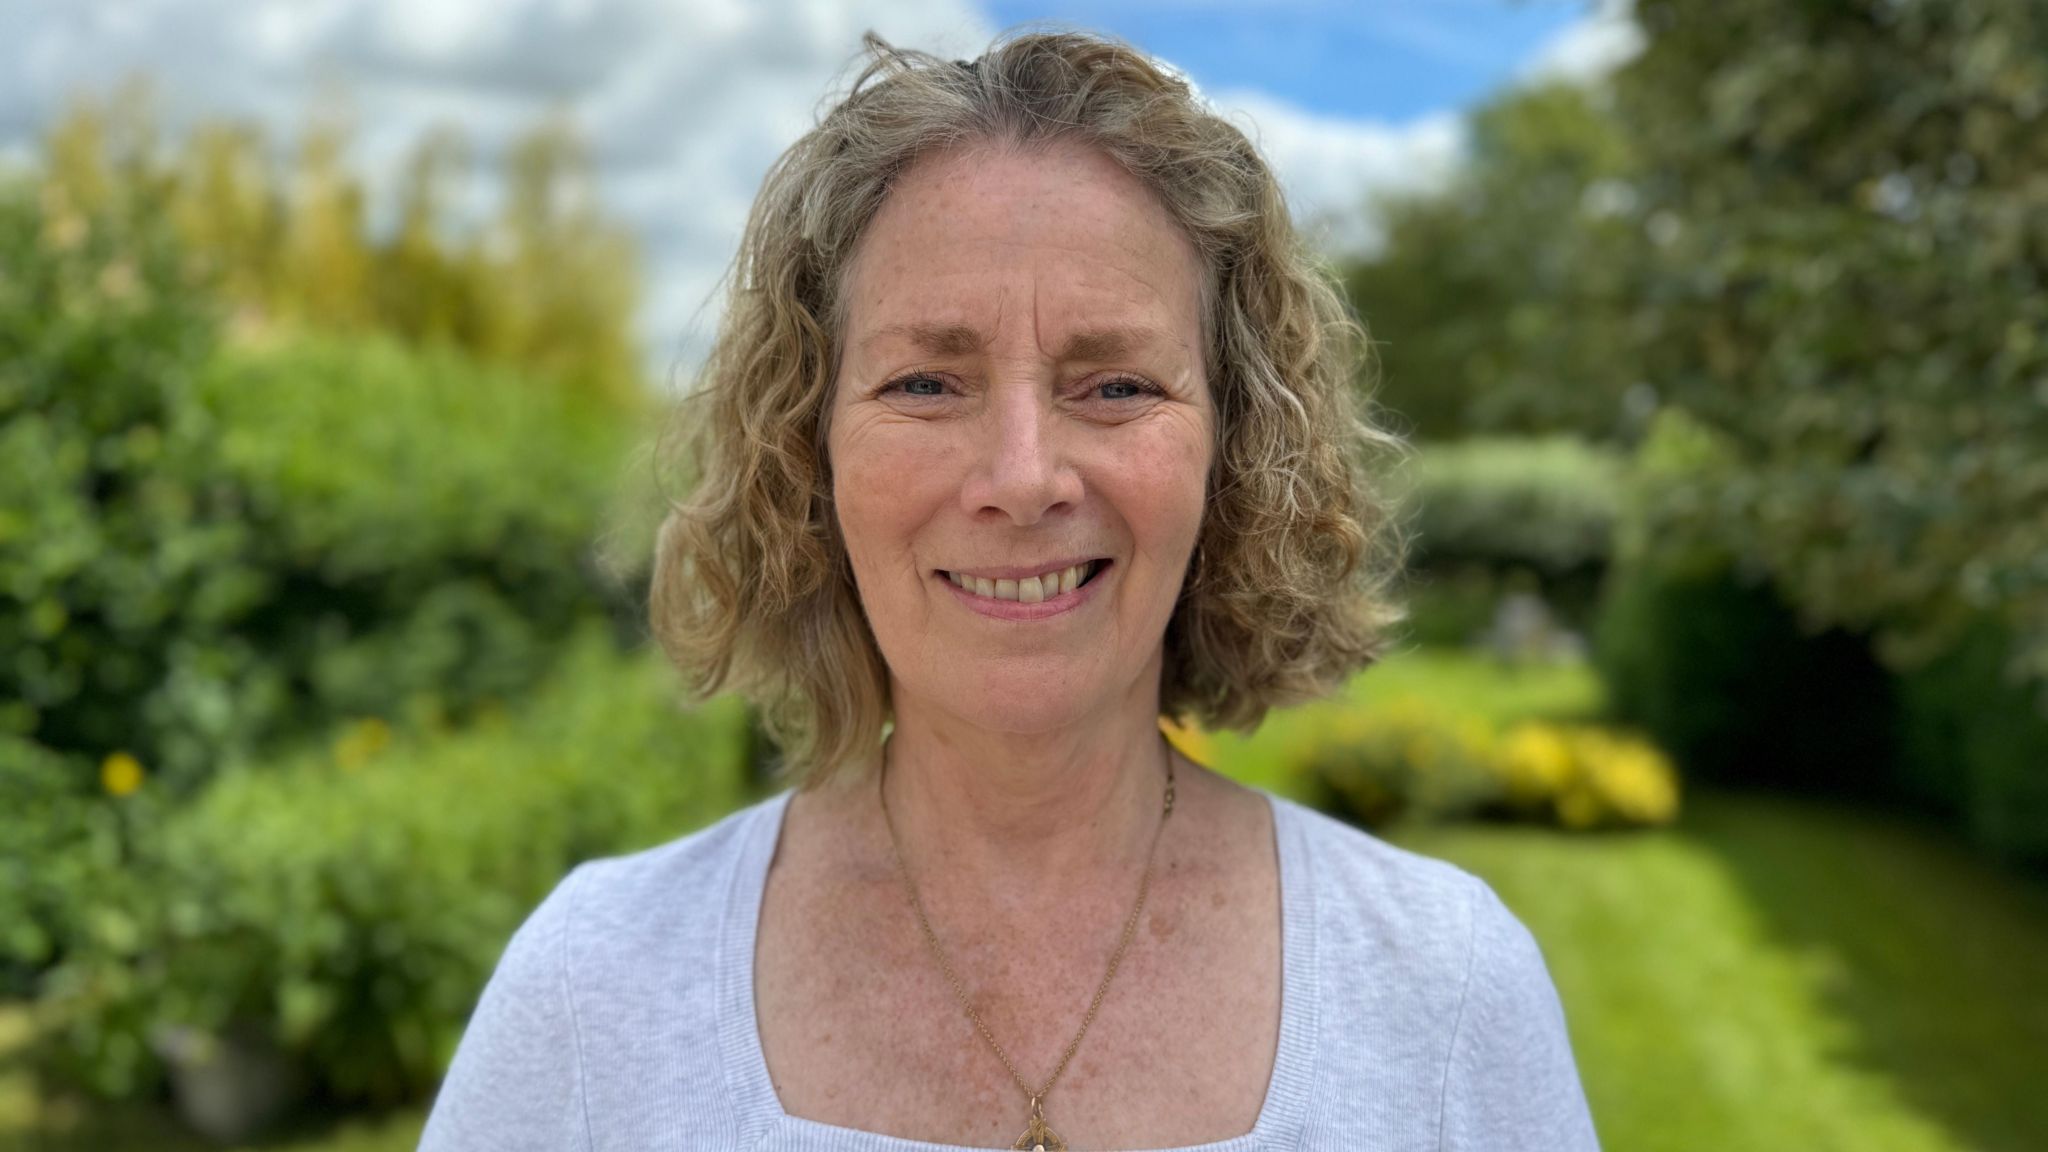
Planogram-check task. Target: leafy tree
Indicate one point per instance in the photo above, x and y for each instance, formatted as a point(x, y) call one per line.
point(557, 281)
point(1850, 281)
point(1498, 306)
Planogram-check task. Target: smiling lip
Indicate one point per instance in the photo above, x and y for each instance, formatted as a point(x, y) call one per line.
point(1018, 572)
point(1017, 609)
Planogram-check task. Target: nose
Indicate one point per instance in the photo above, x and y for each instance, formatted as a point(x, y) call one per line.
point(1021, 470)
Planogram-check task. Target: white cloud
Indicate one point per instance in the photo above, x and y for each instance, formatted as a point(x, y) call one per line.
point(1590, 48)
point(1331, 168)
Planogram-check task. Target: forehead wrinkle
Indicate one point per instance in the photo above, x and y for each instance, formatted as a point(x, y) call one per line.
point(1114, 340)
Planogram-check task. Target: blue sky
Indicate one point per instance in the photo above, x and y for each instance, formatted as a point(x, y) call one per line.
point(1391, 60)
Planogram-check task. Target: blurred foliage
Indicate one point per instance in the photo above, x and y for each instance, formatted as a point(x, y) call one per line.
point(306, 541)
point(221, 530)
point(1702, 648)
point(1434, 736)
point(1849, 281)
point(50, 832)
point(1971, 741)
point(350, 902)
point(1585, 776)
point(1495, 517)
point(1545, 502)
point(1817, 235)
point(1722, 673)
point(1500, 306)
point(403, 561)
point(105, 527)
point(1822, 229)
point(1416, 758)
point(546, 284)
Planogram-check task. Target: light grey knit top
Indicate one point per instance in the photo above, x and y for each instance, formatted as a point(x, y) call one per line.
point(1417, 1012)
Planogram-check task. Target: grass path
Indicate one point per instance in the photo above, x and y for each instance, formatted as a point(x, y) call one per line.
point(1777, 974)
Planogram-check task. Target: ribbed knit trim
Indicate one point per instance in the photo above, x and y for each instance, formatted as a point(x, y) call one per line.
point(760, 1110)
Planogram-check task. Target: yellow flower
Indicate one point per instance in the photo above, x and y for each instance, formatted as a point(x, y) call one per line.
point(1538, 761)
point(121, 774)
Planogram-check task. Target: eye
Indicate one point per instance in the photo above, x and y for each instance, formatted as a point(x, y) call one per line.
point(916, 385)
point(1125, 388)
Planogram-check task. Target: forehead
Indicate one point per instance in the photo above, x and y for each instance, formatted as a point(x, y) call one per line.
point(989, 238)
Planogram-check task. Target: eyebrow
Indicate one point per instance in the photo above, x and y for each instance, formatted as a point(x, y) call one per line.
point(965, 340)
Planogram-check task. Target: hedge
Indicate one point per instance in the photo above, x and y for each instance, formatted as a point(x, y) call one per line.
point(350, 903)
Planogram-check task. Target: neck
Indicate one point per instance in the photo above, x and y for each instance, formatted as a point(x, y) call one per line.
point(1022, 820)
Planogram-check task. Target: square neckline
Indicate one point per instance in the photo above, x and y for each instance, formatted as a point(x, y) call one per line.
point(764, 1124)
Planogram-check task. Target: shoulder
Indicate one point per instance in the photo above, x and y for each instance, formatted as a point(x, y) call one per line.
point(1430, 988)
point(614, 973)
point(1438, 922)
point(622, 889)
point(1375, 895)
point(659, 909)
point(615, 915)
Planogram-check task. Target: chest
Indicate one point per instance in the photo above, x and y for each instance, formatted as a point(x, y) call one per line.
point(861, 1026)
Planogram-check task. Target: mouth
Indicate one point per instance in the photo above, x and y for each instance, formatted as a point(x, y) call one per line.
point(1034, 589)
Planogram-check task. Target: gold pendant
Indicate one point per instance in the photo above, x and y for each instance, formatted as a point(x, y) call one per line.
point(1039, 1137)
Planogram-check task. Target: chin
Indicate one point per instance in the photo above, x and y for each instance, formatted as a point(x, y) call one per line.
point(1024, 700)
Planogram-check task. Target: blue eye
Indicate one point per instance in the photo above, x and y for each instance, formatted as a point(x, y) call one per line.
point(921, 386)
point(1136, 388)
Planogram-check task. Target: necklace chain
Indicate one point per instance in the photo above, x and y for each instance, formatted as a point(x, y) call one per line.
point(960, 993)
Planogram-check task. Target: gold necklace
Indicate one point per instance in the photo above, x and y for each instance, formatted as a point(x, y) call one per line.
point(1039, 1136)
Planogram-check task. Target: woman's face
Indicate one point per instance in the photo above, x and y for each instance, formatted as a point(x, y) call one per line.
point(1021, 409)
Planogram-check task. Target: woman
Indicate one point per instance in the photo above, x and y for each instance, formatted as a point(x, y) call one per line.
point(1028, 424)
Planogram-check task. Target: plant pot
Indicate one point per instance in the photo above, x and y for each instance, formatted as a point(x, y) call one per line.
point(229, 1086)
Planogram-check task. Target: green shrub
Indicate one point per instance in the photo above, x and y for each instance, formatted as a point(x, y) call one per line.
point(121, 562)
point(1721, 674)
point(1498, 515)
point(51, 829)
point(1413, 752)
point(1413, 759)
point(333, 529)
point(1583, 776)
point(1404, 759)
point(352, 902)
point(1973, 740)
point(204, 550)
point(424, 524)
point(1547, 503)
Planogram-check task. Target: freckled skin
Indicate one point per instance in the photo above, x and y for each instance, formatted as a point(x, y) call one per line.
point(1021, 456)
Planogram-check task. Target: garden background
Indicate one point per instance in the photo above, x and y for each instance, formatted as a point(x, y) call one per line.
point(325, 517)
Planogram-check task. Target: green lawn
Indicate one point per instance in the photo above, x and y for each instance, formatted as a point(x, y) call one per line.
point(1776, 974)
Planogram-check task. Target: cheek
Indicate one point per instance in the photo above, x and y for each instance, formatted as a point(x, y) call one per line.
point(1161, 484)
point(884, 484)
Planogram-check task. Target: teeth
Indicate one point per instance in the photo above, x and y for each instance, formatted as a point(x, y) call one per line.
point(1029, 590)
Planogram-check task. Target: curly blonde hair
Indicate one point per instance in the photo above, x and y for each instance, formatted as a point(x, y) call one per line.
point(1288, 589)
